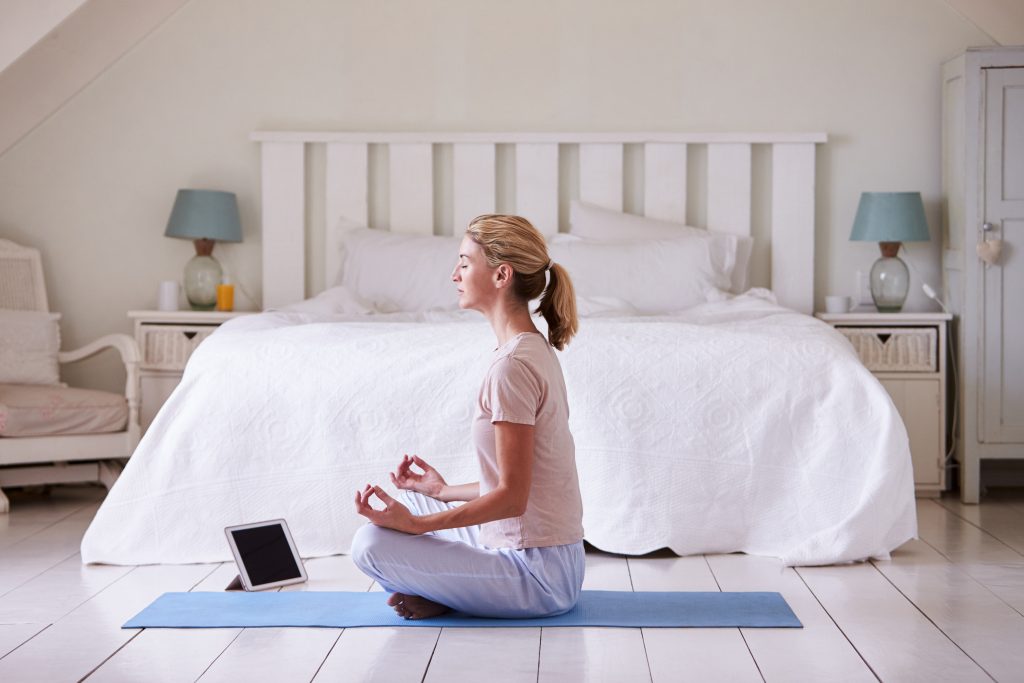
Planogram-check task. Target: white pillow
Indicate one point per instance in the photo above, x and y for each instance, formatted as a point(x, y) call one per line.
point(29, 343)
point(392, 272)
point(731, 253)
point(333, 301)
point(652, 276)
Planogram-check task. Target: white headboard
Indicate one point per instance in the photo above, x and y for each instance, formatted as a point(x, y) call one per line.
point(436, 182)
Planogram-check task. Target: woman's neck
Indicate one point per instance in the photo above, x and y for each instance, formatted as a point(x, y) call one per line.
point(509, 319)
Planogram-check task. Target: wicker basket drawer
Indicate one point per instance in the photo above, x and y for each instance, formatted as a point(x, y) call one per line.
point(167, 347)
point(895, 349)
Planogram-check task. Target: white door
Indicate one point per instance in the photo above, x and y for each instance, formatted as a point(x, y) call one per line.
point(1002, 393)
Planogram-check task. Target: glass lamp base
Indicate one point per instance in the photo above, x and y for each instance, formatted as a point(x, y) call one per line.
point(890, 282)
point(202, 275)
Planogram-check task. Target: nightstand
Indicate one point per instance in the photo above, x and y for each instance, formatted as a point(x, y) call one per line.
point(907, 353)
point(167, 339)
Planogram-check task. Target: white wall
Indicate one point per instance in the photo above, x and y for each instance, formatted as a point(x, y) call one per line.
point(92, 187)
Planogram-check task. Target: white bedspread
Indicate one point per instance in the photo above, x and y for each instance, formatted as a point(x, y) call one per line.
point(738, 426)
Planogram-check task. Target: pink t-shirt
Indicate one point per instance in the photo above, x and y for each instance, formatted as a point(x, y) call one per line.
point(525, 385)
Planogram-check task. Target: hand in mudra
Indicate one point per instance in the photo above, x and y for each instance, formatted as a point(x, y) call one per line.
point(430, 483)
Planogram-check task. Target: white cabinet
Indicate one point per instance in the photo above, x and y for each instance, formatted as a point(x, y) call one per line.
point(983, 204)
point(907, 353)
point(166, 340)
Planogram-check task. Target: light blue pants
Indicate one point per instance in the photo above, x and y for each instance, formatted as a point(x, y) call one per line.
point(450, 567)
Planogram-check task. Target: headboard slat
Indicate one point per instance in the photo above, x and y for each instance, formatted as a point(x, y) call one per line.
point(537, 184)
point(346, 199)
point(474, 184)
point(729, 184)
point(601, 175)
point(665, 181)
point(793, 186)
point(411, 188)
point(284, 208)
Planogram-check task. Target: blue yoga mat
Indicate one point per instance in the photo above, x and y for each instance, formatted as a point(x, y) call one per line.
point(352, 610)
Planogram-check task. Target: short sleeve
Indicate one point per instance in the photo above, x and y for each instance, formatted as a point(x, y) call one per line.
point(513, 392)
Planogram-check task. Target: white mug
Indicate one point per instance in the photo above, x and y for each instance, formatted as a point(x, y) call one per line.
point(167, 296)
point(838, 304)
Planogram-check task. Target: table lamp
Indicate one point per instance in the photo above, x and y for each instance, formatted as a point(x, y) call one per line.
point(890, 218)
point(204, 216)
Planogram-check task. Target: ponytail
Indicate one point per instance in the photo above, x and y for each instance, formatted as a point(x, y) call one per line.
point(558, 306)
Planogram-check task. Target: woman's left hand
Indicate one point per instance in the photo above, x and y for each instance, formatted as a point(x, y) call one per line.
point(394, 515)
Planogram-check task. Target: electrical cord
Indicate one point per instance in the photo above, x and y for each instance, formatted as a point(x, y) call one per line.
point(929, 292)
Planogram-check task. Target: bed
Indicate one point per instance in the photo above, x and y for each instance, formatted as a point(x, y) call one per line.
point(732, 423)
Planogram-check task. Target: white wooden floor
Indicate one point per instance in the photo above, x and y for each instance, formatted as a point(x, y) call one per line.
point(947, 607)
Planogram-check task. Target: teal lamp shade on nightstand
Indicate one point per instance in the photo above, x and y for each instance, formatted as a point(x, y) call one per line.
point(205, 217)
point(890, 218)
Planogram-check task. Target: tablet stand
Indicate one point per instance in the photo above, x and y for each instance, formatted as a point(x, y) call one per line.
point(235, 585)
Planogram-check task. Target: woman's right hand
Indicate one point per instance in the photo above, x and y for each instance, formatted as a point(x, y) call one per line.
point(430, 483)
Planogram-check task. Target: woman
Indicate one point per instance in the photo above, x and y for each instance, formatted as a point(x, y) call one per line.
point(514, 548)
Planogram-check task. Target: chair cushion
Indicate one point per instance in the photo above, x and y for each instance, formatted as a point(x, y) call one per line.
point(29, 342)
point(33, 410)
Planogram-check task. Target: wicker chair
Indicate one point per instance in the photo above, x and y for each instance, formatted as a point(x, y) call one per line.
point(52, 458)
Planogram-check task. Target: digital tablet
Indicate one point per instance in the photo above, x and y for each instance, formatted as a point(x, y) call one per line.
point(265, 554)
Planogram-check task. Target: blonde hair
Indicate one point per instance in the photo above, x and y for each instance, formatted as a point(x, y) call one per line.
point(514, 240)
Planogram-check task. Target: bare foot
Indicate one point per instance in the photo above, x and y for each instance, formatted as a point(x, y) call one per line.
point(416, 607)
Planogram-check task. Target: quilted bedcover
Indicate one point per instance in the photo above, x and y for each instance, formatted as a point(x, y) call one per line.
point(735, 426)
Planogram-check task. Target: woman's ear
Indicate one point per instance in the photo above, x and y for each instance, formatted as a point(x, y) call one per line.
point(503, 275)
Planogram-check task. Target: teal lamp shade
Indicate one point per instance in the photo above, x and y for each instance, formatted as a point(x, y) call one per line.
point(890, 218)
point(204, 216)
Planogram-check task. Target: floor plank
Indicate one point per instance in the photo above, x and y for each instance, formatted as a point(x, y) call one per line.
point(92, 632)
point(14, 635)
point(57, 591)
point(166, 655)
point(592, 654)
point(596, 654)
point(817, 652)
point(33, 514)
point(290, 654)
point(713, 654)
point(995, 517)
point(380, 654)
point(982, 625)
point(30, 557)
point(273, 654)
point(606, 572)
point(482, 654)
point(981, 555)
point(874, 616)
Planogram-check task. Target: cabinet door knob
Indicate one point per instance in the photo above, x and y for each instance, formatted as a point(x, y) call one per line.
point(988, 227)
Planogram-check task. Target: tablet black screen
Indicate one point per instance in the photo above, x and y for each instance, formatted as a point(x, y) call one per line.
point(265, 554)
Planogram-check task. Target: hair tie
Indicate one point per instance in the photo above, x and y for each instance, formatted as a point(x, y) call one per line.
point(551, 264)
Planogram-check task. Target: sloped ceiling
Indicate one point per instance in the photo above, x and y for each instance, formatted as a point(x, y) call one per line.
point(1003, 20)
point(54, 48)
point(23, 23)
